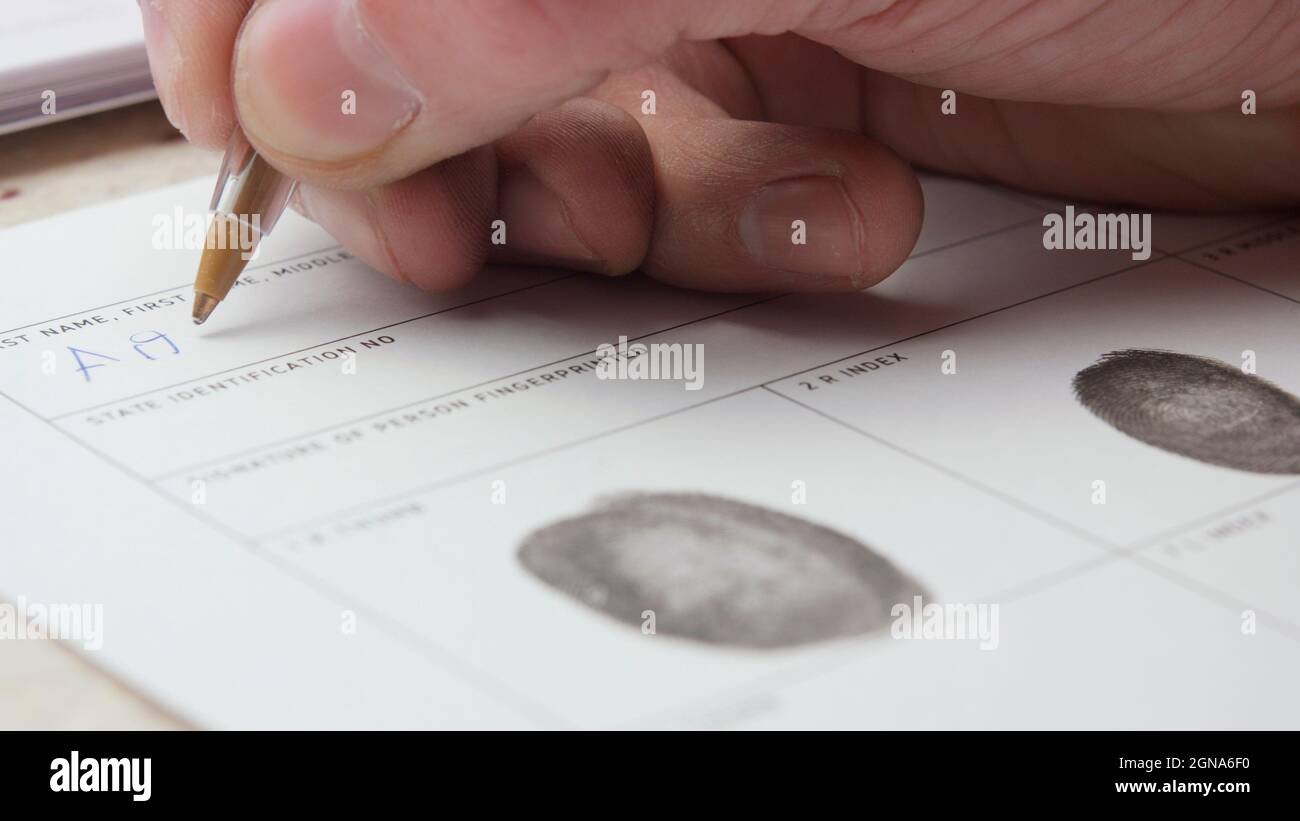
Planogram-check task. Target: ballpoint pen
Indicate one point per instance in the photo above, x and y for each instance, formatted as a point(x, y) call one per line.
point(249, 198)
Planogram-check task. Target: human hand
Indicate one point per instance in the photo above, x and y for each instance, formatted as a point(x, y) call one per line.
point(765, 112)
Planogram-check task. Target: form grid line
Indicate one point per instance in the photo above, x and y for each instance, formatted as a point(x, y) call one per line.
point(388, 499)
point(928, 251)
point(429, 649)
point(312, 347)
point(182, 286)
point(388, 411)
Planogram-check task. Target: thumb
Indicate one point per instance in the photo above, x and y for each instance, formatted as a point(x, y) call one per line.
point(360, 92)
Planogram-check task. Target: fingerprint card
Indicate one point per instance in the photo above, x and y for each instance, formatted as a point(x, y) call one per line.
point(1127, 408)
point(1113, 647)
point(1248, 557)
point(1009, 486)
point(687, 556)
point(1264, 257)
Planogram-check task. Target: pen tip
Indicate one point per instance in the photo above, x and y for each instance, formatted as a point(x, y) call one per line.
point(204, 305)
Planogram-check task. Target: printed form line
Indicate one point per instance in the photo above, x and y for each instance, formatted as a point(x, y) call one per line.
point(182, 286)
point(435, 397)
point(431, 650)
point(450, 481)
point(561, 278)
point(310, 348)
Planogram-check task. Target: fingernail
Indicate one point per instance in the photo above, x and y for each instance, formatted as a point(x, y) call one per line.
point(164, 61)
point(312, 84)
point(538, 223)
point(805, 225)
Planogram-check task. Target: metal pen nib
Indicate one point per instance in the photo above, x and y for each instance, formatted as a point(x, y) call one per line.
point(248, 200)
point(204, 305)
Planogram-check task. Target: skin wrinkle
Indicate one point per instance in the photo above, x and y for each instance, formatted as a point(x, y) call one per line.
point(175, 69)
point(1162, 93)
point(1264, 93)
point(1084, 68)
point(1084, 130)
point(1279, 65)
point(1013, 146)
point(908, 8)
point(631, 166)
point(1165, 167)
point(941, 155)
point(736, 96)
point(926, 111)
point(177, 98)
point(566, 133)
point(988, 31)
point(859, 276)
point(1106, 136)
point(926, 75)
point(776, 19)
point(634, 165)
point(678, 98)
point(1238, 48)
point(726, 166)
point(566, 211)
point(889, 53)
point(921, 102)
point(919, 95)
point(215, 132)
point(1259, 25)
point(828, 16)
point(761, 113)
point(1215, 69)
point(381, 236)
point(1062, 54)
point(1176, 136)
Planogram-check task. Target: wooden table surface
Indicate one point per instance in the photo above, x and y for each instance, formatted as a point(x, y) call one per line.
point(44, 171)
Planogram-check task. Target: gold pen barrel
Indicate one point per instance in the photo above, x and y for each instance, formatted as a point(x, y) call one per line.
point(248, 200)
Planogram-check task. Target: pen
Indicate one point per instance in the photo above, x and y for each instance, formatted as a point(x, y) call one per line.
point(249, 198)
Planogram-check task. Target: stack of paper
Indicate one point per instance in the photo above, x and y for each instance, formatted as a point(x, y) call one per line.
point(65, 58)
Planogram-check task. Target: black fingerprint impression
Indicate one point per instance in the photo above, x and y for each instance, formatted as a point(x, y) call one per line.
point(1196, 407)
point(718, 571)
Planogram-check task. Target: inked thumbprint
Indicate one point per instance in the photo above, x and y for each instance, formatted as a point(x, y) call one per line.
point(718, 571)
point(1196, 407)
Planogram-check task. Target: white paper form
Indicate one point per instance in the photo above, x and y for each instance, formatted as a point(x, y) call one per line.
point(338, 503)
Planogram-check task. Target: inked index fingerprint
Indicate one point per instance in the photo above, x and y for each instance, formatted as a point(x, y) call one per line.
point(1195, 407)
point(718, 571)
